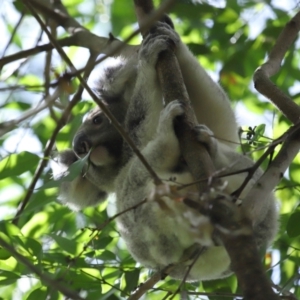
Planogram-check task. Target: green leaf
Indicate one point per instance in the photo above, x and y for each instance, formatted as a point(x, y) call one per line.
point(35, 202)
point(260, 130)
point(293, 225)
point(294, 171)
point(131, 279)
point(102, 242)
point(73, 171)
point(67, 245)
point(4, 254)
point(50, 184)
point(122, 15)
point(228, 16)
point(106, 255)
point(33, 247)
point(17, 164)
point(19, 5)
point(40, 294)
point(30, 79)
point(7, 277)
point(9, 229)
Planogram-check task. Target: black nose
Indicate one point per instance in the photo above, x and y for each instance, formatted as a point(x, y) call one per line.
point(81, 144)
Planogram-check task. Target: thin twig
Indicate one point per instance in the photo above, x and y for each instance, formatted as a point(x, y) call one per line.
point(101, 226)
point(7, 126)
point(12, 36)
point(187, 272)
point(43, 163)
point(147, 285)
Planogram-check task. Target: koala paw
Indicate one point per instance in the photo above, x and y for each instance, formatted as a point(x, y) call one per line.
point(169, 113)
point(161, 38)
point(206, 136)
point(162, 28)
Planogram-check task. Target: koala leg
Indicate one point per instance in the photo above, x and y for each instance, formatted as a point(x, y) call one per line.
point(167, 116)
point(163, 151)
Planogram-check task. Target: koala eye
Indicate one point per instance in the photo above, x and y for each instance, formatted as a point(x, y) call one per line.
point(97, 120)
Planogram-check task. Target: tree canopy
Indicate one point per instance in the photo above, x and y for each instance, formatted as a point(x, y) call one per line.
point(48, 251)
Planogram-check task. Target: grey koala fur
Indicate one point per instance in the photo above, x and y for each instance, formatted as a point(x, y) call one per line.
point(159, 237)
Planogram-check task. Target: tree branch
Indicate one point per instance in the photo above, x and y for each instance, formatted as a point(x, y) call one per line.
point(274, 173)
point(248, 266)
point(261, 76)
point(7, 126)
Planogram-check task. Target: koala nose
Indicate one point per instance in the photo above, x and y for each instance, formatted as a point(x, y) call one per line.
point(81, 144)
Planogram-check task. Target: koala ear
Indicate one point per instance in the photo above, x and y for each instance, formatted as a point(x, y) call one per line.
point(117, 80)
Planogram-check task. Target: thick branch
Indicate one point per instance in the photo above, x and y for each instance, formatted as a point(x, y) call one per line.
point(248, 267)
point(173, 88)
point(274, 173)
point(261, 77)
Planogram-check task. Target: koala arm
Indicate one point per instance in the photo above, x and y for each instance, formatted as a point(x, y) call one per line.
point(78, 193)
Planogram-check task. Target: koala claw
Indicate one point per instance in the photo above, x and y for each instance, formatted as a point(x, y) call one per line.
point(169, 113)
point(206, 136)
point(161, 38)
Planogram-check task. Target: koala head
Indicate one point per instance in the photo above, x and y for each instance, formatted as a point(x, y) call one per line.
point(98, 135)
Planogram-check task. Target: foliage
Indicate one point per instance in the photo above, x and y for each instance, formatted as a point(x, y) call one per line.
point(232, 41)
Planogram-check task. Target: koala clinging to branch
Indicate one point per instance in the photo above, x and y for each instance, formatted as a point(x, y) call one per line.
point(161, 231)
point(155, 237)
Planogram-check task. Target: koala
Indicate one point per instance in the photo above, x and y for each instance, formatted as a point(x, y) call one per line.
point(161, 233)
